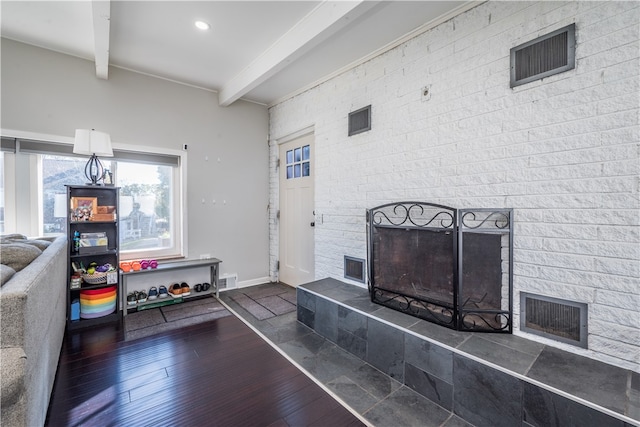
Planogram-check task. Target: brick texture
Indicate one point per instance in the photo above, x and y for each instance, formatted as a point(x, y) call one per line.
point(563, 152)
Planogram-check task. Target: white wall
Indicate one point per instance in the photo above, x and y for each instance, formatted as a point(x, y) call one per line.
point(49, 93)
point(563, 152)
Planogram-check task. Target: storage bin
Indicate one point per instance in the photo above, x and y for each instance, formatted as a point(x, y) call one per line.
point(98, 302)
point(75, 310)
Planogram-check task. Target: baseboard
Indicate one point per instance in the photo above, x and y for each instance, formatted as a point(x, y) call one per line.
point(253, 282)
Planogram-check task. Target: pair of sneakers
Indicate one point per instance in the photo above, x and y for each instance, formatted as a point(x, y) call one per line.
point(136, 297)
point(180, 290)
point(154, 293)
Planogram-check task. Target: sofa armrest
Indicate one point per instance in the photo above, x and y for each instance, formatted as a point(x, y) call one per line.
point(12, 374)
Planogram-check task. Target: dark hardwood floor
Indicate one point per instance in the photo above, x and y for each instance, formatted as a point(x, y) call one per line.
point(218, 373)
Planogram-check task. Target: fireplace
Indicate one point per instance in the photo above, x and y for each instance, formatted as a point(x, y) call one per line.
point(445, 265)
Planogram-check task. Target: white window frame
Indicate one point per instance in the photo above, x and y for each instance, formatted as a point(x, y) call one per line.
point(23, 192)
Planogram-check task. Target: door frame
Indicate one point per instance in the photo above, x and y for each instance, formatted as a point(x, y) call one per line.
point(275, 214)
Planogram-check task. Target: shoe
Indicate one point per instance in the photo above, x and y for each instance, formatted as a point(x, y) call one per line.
point(153, 293)
point(142, 297)
point(185, 289)
point(132, 298)
point(175, 289)
point(205, 287)
point(162, 293)
point(198, 287)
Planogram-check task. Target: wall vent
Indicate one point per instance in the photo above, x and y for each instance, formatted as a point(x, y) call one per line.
point(354, 269)
point(360, 120)
point(547, 55)
point(554, 318)
point(228, 281)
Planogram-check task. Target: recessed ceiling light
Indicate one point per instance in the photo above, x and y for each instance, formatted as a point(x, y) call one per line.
point(203, 25)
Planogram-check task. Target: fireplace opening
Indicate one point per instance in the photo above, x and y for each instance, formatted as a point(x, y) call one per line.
point(448, 266)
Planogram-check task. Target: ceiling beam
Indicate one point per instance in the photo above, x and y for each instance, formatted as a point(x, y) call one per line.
point(318, 25)
point(101, 12)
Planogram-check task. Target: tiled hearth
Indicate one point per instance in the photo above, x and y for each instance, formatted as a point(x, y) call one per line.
point(486, 379)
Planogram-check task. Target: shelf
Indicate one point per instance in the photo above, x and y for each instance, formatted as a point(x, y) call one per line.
point(93, 222)
point(175, 265)
point(90, 287)
point(160, 302)
point(211, 263)
point(85, 323)
point(108, 252)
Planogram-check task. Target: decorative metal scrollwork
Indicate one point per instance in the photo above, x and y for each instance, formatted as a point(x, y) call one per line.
point(413, 214)
point(500, 322)
point(500, 220)
point(416, 307)
point(401, 301)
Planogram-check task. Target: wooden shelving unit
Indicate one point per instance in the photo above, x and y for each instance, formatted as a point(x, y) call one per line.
point(90, 197)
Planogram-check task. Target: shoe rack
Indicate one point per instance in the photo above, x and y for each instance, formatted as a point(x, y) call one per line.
point(159, 274)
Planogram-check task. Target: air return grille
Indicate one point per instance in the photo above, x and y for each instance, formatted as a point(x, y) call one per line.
point(354, 269)
point(360, 120)
point(554, 318)
point(547, 55)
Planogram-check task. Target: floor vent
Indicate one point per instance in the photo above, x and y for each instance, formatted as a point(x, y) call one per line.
point(554, 318)
point(354, 269)
point(547, 55)
point(360, 120)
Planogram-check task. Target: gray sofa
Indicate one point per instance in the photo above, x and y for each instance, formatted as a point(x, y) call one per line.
point(33, 310)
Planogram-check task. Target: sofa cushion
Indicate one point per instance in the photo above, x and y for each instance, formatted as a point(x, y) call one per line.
point(18, 255)
point(6, 273)
point(11, 238)
point(38, 243)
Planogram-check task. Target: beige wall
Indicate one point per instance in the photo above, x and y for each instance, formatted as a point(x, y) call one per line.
point(44, 92)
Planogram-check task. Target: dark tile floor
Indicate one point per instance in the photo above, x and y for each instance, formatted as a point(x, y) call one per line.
point(598, 384)
point(377, 397)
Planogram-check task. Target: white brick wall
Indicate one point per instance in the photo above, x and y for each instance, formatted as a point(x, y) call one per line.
point(562, 152)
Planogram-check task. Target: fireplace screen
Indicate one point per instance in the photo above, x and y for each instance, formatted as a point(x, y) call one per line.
point(449, 266)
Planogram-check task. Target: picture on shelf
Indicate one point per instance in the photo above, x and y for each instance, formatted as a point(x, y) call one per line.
point(84, 202)
point(82, 208)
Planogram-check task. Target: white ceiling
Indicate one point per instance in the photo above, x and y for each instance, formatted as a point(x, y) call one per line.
point(261, 51)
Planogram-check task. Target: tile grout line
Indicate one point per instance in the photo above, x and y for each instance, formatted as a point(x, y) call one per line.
point(592, 405)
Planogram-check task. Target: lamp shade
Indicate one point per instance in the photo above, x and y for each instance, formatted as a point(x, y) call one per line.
point(91, 142)
point(60, 206)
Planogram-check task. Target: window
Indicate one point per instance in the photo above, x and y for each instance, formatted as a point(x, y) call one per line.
point(150, 196)
point(298, 162)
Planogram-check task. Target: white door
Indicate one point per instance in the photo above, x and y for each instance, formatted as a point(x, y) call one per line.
point(297, 219)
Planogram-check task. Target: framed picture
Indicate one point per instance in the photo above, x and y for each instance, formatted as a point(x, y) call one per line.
point(84, 202)
point(82, 208)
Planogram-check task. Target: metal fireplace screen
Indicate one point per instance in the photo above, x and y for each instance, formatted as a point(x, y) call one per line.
point(449, 266)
